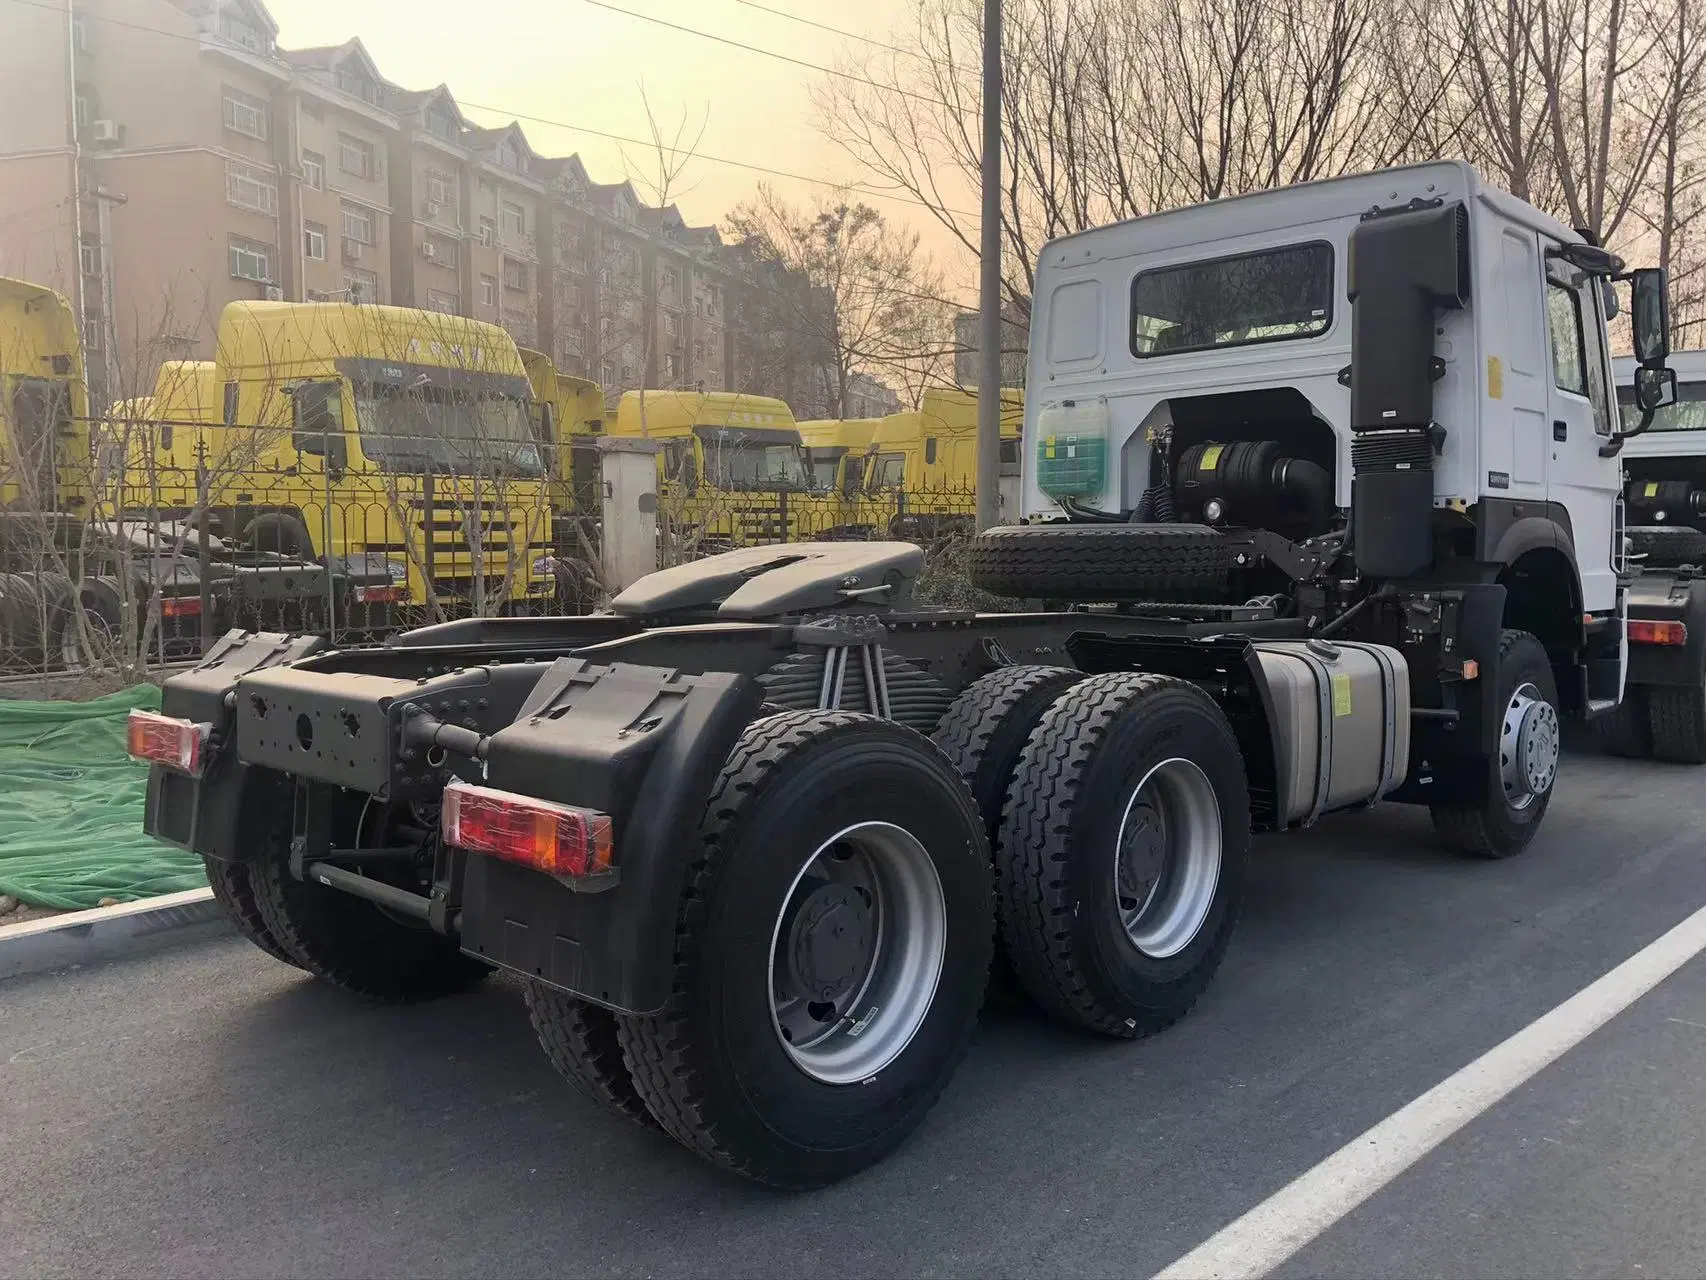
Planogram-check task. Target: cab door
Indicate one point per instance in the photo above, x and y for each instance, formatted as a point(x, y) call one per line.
point(1580, 415)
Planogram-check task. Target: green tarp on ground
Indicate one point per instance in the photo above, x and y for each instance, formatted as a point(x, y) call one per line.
point(71, 806)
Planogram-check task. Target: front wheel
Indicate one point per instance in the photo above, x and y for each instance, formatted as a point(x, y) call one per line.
point(832, 948)
point(1522, 760)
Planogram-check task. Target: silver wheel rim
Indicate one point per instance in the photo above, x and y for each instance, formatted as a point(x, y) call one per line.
point(1167, 858)
point(856, 952)
point(72, 655)
point(1529, 747)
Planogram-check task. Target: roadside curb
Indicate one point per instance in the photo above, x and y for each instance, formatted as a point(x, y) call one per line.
point(105, 933)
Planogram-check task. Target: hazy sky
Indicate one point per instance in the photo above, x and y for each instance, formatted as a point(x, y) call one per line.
point(570, 61)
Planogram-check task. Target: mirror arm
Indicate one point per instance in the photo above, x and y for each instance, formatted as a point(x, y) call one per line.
point(1614, 446)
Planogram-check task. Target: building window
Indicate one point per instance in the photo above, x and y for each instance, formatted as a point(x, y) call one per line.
point(448, 303)
point(314, 170)
point(572, 342)
point(489, 291)
point(671, 280)
point(250, 260)
point(671, 326)
point(80, 108)
point(79, 35)
point(246, 114)
point(249, 187)
point(698, 306)
point(515, 220)
point(698, 350)
point(355, 156)
point(510, 156)
point(515, 274)
point(442, 252)
point(440, 188)
point(240, 31)
point(358, 224)
point(91, 259)
point(314, 241)
point(92, 337)
point(671, 368)
point(574, 296)
point(441, 123)
point(607, 373)
point(352, 81)
point(361, 285)
point(488, 232)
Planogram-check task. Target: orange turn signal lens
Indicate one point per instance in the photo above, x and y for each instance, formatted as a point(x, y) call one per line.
point(558, 839)
point(168, 741)
point(1657, 633)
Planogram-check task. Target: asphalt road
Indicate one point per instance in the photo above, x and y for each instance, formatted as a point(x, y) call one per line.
point(206, 1111)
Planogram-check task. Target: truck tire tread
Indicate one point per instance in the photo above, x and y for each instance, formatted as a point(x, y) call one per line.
point(233, 891)
point(1039, 907)
point(1106, 562)
point(1678, 721)
point(581, 1042)
point(656, 1047)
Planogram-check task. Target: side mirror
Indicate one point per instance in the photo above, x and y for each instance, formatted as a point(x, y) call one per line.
point(1654, 388)
point(1650, 316)
point(690, 473)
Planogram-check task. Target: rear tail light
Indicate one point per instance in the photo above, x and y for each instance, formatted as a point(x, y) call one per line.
point(165, 740)
point(180, 606)
point(1657, 633)
point(388, 594)
point(558, 839)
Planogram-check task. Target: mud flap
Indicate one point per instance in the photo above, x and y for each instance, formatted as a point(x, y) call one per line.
point(1448, 758)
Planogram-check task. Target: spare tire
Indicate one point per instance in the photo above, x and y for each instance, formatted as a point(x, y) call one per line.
point(1100, 561)
point(1668, 545)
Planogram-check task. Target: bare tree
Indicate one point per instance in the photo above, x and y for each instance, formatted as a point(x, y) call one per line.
point(859, 294)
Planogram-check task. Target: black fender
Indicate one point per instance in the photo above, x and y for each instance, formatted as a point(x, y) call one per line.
point(1532, 533)
point(645, 745)
point(1660, 596)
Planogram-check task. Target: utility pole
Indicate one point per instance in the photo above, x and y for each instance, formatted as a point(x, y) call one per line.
point(989, 299)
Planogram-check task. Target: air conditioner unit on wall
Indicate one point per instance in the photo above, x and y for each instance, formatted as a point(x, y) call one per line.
point(106, 132)
point(429, 251)
point(274, 293)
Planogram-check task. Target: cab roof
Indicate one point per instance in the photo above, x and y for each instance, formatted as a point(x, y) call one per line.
point(678, 412)
point(290, 338)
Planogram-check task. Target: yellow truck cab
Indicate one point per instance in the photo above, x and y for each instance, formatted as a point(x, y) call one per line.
point(383, 437)
point(162, 437)
point(44, 402)
point(733, 466)
point(568, 415)
point(835, 450)
point(924, 462)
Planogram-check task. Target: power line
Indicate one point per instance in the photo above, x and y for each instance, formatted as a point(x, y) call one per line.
point(769, 53)
point(824, 26)
point(877, 192)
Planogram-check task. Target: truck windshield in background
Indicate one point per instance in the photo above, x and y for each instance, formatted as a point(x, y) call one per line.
point(1687, 414)
point(752, 459)
point(447, 421)
point(1227, 302)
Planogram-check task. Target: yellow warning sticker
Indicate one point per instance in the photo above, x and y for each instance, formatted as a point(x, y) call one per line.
point(1048, 446)
point(1341, 696)
point(1211, 456)
point(1495, 378)
point(1652, 489)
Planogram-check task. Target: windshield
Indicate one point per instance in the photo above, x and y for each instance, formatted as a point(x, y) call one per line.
point(738, 459)
point(824, 459)
point(1687, 414)
point(430, 428)
point(1227, 302)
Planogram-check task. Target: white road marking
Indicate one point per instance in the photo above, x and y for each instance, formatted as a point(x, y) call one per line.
point(1286, 1221)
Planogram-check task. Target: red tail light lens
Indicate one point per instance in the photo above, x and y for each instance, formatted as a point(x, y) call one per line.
point(164, 740)
point(382, 595)
point(180, 606)
point(558, 839)
point(1657, 633)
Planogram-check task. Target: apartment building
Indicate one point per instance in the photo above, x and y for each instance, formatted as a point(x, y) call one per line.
point(161, 158)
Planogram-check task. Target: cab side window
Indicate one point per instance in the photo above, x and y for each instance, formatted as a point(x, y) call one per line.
point(1564, 323)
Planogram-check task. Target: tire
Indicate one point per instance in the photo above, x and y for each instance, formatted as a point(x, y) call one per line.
point(233, 891)
point(580, 1039)
point(1101, 745)
point(1628, 731)
point(1677, 722)
point(348, 942)
point(1100, 562)
point(983, 733)
point(101, 605)
point(1667, 545)
point(713, 1065)
point(1501, 826)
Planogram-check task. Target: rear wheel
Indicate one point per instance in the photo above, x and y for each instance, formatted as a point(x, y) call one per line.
point(1627, 731)
point(831, 952)
point(1121, 859)
point(233, 891)
point(1522, 760)
point(351, 943)
point(581, 1041)
point(1678, 724)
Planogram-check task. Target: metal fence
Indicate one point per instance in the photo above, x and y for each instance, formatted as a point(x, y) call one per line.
point(142, 548)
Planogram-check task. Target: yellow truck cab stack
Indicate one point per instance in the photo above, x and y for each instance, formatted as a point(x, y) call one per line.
point(568, 415)
point(45, 462)
point(732, 466)
point(383, 437)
